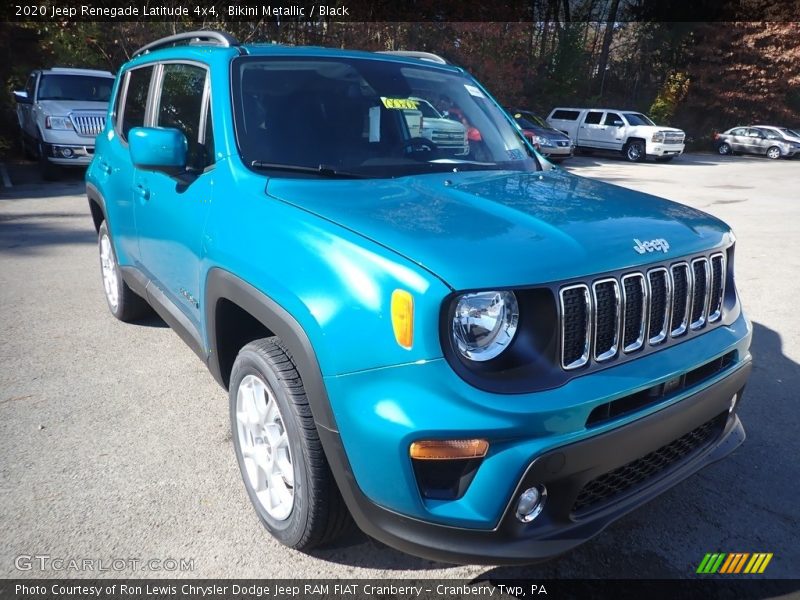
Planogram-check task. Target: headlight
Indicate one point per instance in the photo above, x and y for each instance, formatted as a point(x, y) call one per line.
point(658, 136)
point(543, 141)
point(58, 123)
point(484, 324)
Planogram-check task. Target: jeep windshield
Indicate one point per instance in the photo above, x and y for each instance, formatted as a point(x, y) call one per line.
point(317, 116)
point(79, 88)
point(638, 119)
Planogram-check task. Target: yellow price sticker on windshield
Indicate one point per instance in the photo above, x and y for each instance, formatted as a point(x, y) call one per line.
point(400, 103)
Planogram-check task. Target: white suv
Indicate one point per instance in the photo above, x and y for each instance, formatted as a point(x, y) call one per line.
point(629, 132)
point(60, 112)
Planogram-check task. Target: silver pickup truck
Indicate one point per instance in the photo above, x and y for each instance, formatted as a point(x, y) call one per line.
point(60, 112)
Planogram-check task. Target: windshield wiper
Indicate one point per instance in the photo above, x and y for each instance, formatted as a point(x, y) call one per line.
point(322, 170)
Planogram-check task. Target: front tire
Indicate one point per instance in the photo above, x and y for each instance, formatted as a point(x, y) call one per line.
point(635, 151)
point(122, 301)
point(280, 456)
point(773, 152)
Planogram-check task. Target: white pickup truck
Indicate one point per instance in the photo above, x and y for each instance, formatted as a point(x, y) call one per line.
point(60, 112)
point(631, 133)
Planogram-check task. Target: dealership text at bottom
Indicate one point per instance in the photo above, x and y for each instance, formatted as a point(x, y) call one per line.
point(277, 590)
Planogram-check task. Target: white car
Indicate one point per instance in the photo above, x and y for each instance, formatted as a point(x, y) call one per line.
point(629, 132)
point(60, 112)
point(449, 135)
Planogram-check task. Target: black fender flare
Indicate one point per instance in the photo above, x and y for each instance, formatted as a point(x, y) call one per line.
point(94, 195)
point(221, 284)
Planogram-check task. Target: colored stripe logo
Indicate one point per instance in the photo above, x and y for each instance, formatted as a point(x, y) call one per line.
point(733, 563)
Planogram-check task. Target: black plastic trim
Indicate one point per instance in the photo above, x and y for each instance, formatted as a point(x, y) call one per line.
point(221, 284)
point(166, 308)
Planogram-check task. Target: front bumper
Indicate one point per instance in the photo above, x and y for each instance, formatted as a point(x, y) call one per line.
point(564, 472)
point(75, 155)
point(659, 149)
point(558, 151)
point(81, 148)
point(381, 411)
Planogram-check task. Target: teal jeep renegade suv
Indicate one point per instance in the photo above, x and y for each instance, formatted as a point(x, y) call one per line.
point(477, 356)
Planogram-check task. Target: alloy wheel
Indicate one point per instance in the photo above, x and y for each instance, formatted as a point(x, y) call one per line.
point(109, 269)
point(265, 448)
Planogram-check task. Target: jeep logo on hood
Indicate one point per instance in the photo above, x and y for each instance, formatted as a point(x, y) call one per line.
point(651, 245)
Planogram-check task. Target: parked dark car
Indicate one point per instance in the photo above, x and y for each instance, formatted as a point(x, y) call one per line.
point(554, 144)
point(755, 140)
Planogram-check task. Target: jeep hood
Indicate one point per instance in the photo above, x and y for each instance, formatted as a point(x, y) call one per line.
point(501, 228)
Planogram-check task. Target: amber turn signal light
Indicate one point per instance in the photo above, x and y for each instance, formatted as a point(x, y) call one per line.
point(448, 449)
point(403, 318)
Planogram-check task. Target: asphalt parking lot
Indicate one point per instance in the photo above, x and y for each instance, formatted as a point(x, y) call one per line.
point(114, 439)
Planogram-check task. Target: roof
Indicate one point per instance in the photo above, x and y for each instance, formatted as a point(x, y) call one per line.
point(71, 71)
point(212, 46)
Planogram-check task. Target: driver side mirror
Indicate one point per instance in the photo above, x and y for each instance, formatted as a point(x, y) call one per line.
point(618, 123)
point(158, 149)
point(22, 97)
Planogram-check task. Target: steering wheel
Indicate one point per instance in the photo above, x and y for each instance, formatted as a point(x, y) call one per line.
point(419, 147)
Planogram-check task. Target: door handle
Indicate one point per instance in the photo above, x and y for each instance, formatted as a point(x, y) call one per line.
point(142, 192)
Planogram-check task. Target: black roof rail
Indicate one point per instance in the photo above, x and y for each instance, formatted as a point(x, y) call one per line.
point(217, 38)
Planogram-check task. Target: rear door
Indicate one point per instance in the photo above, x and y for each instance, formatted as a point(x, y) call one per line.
point(756, 141)
point(610, 132)
point(171, 211)
point(590, 130)
point(736, 138)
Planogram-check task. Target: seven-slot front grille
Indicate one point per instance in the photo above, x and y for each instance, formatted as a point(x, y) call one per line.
point(88, 125)
point(602, 318)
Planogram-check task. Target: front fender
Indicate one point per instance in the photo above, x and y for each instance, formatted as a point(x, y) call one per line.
point(335, 284)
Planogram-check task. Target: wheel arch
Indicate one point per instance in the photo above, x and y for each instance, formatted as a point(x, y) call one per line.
point(229, 297)
point(635, 138)
point(97, 206)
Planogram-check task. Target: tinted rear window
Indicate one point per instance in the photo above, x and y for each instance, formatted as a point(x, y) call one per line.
point(566, 115)
point(593, 118)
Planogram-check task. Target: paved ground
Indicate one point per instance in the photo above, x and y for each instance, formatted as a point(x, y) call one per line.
point(114, 439)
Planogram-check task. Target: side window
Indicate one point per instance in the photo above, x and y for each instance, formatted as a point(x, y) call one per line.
point(739, 131)
point(133, 111)
point(181, 106)
point(754, 133)
point(593, 118)
point(566, 115)
point(613, 119)
point(30, 86)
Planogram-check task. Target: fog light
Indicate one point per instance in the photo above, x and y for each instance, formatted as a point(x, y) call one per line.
point(66, 152)
point(734, 398)
point(531, 503)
